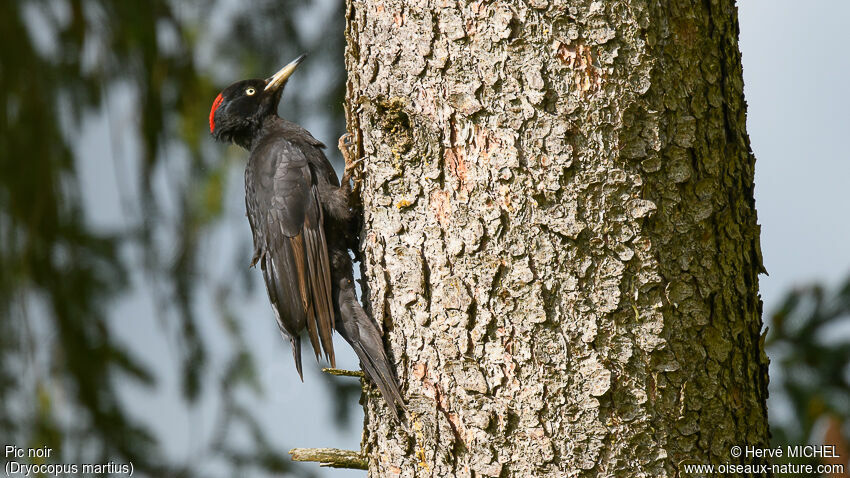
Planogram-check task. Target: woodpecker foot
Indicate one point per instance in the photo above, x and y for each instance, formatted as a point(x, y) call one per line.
point(346, 147)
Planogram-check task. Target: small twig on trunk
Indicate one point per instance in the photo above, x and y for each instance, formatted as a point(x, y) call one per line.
point(343, 373)
point(332, 457)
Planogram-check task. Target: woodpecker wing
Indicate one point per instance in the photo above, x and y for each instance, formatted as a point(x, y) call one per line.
point(286, 218)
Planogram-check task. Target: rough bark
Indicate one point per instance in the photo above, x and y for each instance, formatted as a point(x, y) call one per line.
point(560, 237)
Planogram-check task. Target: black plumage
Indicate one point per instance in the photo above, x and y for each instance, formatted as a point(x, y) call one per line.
point(302, 224)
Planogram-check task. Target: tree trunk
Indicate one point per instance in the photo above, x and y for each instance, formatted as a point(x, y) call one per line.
point(560, 237)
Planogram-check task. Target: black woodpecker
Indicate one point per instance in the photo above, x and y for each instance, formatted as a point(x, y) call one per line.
point(303, 225)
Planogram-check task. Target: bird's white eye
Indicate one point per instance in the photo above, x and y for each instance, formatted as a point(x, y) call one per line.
point(250, 91)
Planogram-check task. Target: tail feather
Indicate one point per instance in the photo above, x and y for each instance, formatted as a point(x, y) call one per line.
point(364, 337)
point(295, 342)
point(376, 367)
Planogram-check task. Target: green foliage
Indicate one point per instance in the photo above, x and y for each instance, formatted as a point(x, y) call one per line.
point(61, 365)
point(809, 346)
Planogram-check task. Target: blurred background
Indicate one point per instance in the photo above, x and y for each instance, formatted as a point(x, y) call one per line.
point(131, 328)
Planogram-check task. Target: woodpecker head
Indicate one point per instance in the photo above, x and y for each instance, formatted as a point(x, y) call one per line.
point(238, 112)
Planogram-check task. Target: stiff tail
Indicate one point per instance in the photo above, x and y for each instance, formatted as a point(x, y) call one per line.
point(376, 367)
point(295, 342)
point(364, 337)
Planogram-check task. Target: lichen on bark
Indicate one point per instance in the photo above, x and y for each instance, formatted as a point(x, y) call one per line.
point(560, 237)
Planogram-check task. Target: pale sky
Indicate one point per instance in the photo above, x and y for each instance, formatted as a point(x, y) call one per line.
point(796, 66)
